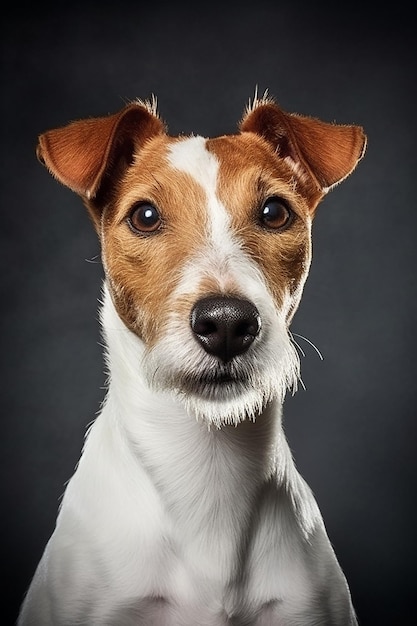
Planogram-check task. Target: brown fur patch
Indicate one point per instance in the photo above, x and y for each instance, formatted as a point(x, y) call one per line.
point(144, 269)
point(249, 174)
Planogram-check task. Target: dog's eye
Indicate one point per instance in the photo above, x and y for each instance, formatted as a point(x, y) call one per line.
point(275, 214)
point(144, 218)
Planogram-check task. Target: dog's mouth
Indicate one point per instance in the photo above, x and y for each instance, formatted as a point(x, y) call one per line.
point(218, 378)
point(215, 384)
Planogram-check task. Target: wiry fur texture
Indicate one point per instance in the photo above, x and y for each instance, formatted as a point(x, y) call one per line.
point(186, 508)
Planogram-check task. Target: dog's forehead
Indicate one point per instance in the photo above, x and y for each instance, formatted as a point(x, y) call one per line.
point(207, 159)
point(237, 169)
point(190, 155)
point(181, 174)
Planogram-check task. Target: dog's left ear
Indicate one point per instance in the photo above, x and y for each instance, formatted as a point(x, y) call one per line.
point(89, 155)
point(320, 154)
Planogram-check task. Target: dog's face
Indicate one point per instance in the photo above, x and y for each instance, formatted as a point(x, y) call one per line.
point(206, 242)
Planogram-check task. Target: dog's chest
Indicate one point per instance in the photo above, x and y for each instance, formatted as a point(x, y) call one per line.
point(207, 483)
point(202, 581)
point(187, 532)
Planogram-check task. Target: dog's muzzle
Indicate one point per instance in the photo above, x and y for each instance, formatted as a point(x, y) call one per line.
point(225, 326)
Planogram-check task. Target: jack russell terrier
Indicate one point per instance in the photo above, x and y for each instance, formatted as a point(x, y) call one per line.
point(186, 508)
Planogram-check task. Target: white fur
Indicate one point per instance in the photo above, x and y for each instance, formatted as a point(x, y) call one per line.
point(168, 521)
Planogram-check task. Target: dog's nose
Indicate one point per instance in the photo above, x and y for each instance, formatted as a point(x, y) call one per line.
point(225, 326)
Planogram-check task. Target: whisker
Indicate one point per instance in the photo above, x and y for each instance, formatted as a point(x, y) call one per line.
point(304, 388)
point(297, 345)
point(311, 344)
point(94, 259)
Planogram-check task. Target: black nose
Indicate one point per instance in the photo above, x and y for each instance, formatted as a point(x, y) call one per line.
point(225, 326)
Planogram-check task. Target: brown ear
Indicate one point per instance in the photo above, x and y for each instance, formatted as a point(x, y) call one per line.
point(321, 154)
point(82, 153)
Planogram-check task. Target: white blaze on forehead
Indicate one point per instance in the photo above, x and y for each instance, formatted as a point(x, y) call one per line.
point(192, 157)
point(223, 258)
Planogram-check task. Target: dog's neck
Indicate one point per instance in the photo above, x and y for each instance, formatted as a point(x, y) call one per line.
point(208, 478)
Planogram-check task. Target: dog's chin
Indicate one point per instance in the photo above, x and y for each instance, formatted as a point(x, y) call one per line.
point(220, 399)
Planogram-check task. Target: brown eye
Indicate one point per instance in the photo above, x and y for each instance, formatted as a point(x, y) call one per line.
point(144, 218)
point(275, 214)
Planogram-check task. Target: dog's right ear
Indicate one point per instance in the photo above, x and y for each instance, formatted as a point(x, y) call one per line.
point(88, 155)
point(320, 154)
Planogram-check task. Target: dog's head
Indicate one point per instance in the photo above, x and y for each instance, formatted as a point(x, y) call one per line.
point(206, 242)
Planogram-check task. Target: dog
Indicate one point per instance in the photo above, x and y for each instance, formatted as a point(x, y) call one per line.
point(186, 508)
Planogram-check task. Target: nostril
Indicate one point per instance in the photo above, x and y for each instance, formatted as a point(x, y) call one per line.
point(247, 328)
point(203, 326)
point(225, 326)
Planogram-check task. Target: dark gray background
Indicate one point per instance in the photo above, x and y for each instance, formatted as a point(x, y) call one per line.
point(353, 430)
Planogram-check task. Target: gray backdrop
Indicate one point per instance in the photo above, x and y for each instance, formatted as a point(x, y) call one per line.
point(353, 430)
